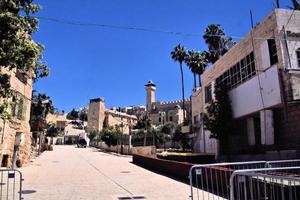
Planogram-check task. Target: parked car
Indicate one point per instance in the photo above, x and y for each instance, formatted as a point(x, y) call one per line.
point(81, 143)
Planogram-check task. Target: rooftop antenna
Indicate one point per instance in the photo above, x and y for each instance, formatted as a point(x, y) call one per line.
point(277, 3)
point(251, 16)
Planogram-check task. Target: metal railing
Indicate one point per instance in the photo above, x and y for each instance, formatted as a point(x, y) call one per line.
point(212, 181)
point(10, 184)
point(269, 184)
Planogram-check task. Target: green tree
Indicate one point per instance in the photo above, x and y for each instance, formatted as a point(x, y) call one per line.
point(41, 106)
point(167, 132)
point(197, 62)
point(73, 115)
point(179, 55)
point(83, 116)
point(17, 24)
point(217, 41)
point(109, 136)
point(92, 135)
point(52, 131)
point(218, 119)
point(17, 48)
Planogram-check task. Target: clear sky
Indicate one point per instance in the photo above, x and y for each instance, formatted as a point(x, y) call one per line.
point(88, 62)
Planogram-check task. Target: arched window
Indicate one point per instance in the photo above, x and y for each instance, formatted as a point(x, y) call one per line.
point(298, 56)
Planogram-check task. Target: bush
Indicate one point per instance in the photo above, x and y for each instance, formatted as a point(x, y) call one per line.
point(109, 136)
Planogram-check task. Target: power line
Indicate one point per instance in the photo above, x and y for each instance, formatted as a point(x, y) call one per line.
point(76, 23)
point(132, 28)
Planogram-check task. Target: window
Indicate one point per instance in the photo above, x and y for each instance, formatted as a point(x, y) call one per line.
point(196, 120)
point(21, 109)
point(208, 93)
point(21, 76)
point(298, 56)
point(13, 106)
point(171, 119)
point(272, 51)
point(239, 73)
point(159, 120)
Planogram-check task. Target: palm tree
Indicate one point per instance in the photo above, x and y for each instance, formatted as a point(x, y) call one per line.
point(218, 43)
point(296, 5)
point(197, 62)
point(190, 62)
point(179, 55)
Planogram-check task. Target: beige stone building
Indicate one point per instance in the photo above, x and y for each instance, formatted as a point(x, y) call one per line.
point(18, 126)
point(160, 112)
point(262, 73)
point(100, 117)
point(58, 119)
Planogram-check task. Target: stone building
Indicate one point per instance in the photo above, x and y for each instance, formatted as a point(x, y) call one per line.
point(100, 117)
point(162, 112)
point(58, 119)
point(18, 127)
point(262, 73)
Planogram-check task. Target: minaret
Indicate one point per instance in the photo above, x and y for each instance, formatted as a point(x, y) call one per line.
point(150, 90)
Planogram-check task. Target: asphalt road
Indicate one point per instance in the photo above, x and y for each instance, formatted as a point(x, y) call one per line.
point(70, 173)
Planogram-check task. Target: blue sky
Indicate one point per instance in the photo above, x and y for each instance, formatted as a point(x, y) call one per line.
point(89, 62)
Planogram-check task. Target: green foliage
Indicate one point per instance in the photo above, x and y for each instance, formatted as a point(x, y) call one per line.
point(217, 41)
point(179, 54)
point(73, 115)
point(17, 24)
point(5, 90)
point(52, 131)
point(83, 116)
point(92, 135)
point(17, 48)
point(142, 123)
point(4, 112)
point(181, 138)
point(169, 128)
point(41, 106)
point(110, 136)
point(218, 119)
point(197, 62)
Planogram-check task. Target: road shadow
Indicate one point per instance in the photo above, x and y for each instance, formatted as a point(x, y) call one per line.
point(185, 181)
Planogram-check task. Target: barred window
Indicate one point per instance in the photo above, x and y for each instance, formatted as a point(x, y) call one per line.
point(298, 56)
point(13, 106)
point(208, 93)
point(272, 51)
point(20, 109)
point(239, 73)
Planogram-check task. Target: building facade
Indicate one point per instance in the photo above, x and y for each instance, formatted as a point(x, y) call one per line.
point(262, 73)
point(163, 112)
point(100, 117)
point(18, 127)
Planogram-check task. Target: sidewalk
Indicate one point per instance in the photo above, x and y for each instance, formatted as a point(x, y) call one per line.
point(72, 173)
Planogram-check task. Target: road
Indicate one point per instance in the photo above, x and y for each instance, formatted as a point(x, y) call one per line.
point(70, 173)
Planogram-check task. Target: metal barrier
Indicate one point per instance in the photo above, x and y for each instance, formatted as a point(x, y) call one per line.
point(212, 181)
point(283, 163)
point(269, 184)
point(10, 184)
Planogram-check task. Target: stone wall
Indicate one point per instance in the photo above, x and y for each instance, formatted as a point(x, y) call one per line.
point(19, 122)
